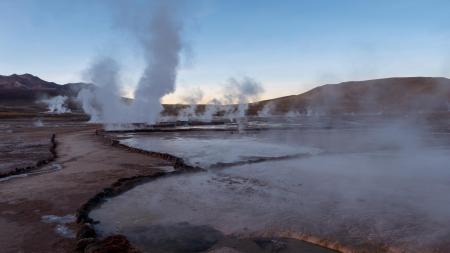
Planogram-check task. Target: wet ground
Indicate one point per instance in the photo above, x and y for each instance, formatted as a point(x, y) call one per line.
point(24, 141)
point(378, 188)
point(37, 211)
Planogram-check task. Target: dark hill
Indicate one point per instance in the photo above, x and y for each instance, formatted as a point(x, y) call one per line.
point(389, 95)
point(27, 88)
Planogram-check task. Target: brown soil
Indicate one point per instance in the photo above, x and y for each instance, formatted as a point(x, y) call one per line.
point(89, 165)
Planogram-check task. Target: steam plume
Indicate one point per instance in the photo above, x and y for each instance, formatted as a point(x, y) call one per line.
point(162, 45)
point(160, 39)
point(103, 103)
point(241, 92)
point(56, 104)
point(192, 98)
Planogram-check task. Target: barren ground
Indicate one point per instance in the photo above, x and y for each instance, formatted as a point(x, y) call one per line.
point(89, 165)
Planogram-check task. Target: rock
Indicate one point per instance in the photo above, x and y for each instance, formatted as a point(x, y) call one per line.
point(224, 250)
point(273, 245)
point(111, 244)
point(83, 243)
point(86, 231)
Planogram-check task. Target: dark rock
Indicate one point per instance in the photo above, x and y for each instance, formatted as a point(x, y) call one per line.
point(86, 231)
point(111, 244)
point(271, 244)
point(83, 243)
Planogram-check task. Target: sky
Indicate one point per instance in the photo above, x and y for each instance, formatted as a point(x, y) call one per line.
point(288, 46)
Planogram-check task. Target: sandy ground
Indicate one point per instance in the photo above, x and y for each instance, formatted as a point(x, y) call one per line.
point(89, 165)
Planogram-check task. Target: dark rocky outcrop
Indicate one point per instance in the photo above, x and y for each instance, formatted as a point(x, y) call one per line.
point(111, 244)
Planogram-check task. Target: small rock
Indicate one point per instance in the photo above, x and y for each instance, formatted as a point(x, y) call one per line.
point(83, 243)
point(224, 250)
point(86, 231)
point(111, 244)
point(272, 244)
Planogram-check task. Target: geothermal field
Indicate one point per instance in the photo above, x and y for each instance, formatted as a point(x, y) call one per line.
point(180, 126)
point(354, 183)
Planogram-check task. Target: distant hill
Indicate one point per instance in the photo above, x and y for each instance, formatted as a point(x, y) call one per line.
point(29, 87)
point(19, 95)
point(389, 95)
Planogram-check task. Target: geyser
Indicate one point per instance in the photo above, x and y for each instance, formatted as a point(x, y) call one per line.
point(160, 39)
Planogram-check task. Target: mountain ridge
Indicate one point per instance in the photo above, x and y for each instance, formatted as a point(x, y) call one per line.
point(27, 86)
point(394, 94)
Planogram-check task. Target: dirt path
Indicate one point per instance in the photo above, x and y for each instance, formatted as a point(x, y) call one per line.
point(88, 166)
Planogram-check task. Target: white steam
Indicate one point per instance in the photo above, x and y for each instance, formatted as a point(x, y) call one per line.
point(162, 45)
point(237, 95)
point(104, 102)
point(192, 98)
point(267, 110)
point(56, 104)
point(38, 123)
point(211, 110)
point(241, 92)
point(159, 37)
point(233, 103)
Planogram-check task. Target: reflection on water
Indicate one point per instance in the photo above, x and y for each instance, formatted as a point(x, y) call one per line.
point(205, 150)
point(368, 187)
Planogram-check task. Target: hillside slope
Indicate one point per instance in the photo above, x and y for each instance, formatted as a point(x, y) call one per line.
point(27, 87)
point(20, 94)
point(389, 95)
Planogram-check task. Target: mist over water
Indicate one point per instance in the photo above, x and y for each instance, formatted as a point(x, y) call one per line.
point(209, 150)
point(363, 186)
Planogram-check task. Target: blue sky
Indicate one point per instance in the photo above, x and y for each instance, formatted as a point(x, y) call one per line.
point(289, 46)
